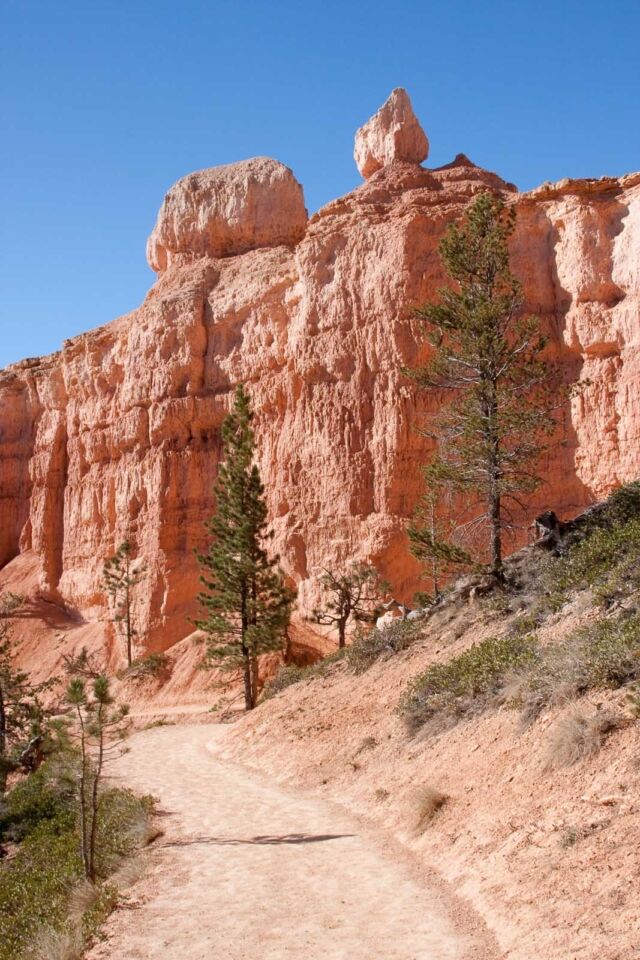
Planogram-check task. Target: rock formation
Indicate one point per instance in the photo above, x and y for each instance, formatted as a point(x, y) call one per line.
point(393, 133)
point(120, 431)
point(228, 210)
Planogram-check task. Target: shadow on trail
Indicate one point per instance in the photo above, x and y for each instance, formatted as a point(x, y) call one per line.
point(263, 840)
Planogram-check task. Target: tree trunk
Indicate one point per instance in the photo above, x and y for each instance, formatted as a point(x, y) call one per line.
point(342, 630)
point(83, 797)
point(495, 513)
point(254, 679)
point(94, 802)
point(248, 691)
point(3, 743)
point(496, 536)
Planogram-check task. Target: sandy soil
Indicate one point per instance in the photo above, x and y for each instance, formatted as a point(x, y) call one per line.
point(249, 869)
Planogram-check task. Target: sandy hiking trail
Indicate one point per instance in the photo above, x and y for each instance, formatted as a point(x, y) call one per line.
point(247, 869)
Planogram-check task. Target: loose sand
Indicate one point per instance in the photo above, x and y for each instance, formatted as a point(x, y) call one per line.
point(247, 869)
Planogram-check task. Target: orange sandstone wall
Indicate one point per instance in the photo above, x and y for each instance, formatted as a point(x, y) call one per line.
point(120, 430)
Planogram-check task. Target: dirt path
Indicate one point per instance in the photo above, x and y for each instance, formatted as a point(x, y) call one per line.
point(249, 870)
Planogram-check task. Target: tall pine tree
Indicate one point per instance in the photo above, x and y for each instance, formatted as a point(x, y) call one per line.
point(245, 601)
point(503, 394)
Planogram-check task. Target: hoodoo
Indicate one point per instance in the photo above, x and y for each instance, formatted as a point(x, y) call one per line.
point(119, 433)
point(393, 133)
point(228, 210)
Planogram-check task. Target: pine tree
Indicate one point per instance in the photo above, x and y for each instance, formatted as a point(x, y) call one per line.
point(431, 533)
point(100, 728)
point(245, 601)
point(352, 594)
point(23, 718)
point(121, 573)
point(503, 395)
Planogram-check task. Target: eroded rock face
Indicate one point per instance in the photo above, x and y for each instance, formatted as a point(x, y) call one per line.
point(393, 133)
point(119, 433)
point(228, 210)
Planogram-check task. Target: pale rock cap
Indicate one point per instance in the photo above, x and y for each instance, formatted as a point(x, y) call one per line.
point(393, 133)
point(227, 210)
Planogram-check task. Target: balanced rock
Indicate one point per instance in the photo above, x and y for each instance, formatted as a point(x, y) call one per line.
point(228, 210)
point(393, 133)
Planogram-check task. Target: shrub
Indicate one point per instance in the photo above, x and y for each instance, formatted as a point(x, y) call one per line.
point(288, 674)
point(154, 665)
point(604, 551)
point(369, 647)
point(577, 735)
point(42, 910)
point(467, 682)
point(47, 794)
point(602, 655)
point(35, 886)
point(430, 800)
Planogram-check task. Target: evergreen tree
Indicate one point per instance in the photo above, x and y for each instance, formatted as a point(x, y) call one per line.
point(352, 594)
point(23, 717)
point(121, 573)
point(100, 727)
point(246, 603)
point(431, 534)
point(488, 358)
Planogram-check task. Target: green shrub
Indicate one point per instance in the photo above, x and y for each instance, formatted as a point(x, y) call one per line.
point(604, 654)
point(38, 885)
point(154, 665)
point(288, 674)
point(369, 647)
point(603, 553)
point(47, 794)
point(35, 886)
point(123, 820)
point(467, 682)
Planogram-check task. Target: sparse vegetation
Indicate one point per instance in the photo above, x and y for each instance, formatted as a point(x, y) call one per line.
point(99, 727)
point(45, 903)
point(602, 553)
point(576, 735)
point(22, 714)
point(374, 644)
point(430, 801)
point(605, 654)
point(155, 665)
point(360, 655)
point(466, 683)
point(289, 674)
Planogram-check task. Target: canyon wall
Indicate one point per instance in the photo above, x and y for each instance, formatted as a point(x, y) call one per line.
point(120, 431)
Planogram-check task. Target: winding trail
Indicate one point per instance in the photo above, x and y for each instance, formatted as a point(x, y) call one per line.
point(247, 869)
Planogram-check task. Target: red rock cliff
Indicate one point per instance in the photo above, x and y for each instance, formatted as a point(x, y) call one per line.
point(120, 430)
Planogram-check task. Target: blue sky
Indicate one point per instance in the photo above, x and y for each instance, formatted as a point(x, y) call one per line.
point(105, 104)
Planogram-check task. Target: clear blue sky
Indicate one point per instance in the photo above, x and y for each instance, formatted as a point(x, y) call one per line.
point(105, 104)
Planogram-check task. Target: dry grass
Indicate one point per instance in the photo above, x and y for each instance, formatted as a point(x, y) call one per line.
point(577, 735)
point(59, 945)
point(430, 801)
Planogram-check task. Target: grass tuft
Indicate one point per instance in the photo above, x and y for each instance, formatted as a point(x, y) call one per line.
point(577, 735)
point(430, 801)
